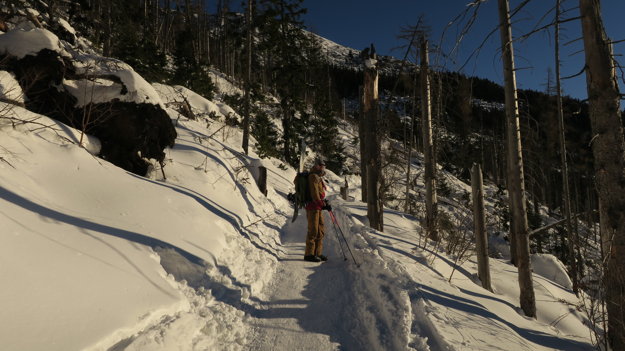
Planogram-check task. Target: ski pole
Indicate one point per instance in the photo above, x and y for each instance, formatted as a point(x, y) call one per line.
point(336, 232)
point(343, 234)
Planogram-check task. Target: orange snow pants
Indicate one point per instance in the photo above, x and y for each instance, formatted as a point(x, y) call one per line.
point(316, 232)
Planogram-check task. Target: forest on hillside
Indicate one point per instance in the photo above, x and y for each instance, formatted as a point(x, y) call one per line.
point(294, 91)
point(178, 41)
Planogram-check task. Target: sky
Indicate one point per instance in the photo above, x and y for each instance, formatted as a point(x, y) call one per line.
point(358, 23)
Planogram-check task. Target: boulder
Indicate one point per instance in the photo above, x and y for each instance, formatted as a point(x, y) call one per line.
point(129, 118)
point(133, 132)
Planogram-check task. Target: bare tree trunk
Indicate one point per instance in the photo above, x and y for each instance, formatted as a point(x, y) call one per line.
point(145, 14)
point(409, 143)
point(372, 142)
point(187, 6)
point(479, 220)
point(608, 147)
point(248, 79)
point(363, 150)
point(565, 172)
point(207, 25)
point(516, 187)
point(287, 128)
point(167, 27)
point(196, 28)
point(431, 202)
point(108, 30)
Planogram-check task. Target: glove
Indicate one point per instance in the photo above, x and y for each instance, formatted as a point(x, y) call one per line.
point(327, 206)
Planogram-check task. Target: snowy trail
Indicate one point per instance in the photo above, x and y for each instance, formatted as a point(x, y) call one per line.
point(308, 304)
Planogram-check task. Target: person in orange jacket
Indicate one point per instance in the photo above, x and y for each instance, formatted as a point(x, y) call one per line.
point(316, 228)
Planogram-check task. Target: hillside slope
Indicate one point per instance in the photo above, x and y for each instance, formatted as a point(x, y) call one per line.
point(194, 257)
point(89, 247)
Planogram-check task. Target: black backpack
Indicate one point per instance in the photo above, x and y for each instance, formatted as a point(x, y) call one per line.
point(302, 190)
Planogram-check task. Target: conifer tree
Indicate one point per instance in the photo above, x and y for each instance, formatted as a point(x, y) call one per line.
point(289, 53)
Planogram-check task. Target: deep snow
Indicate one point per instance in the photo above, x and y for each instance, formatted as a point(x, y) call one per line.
point(96, 258)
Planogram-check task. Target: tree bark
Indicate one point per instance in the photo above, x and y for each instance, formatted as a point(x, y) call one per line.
point(608, 146)
point(287, 130)
point(187, 5)
point(565, 172)
point(362, 144)
point(108, 30)
point(479, 221)
point(372, 142)
point(409, 144)
point(262, 180)
point(516, 187)
point(431, 201)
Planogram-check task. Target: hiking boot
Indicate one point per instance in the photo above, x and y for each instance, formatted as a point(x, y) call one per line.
point(311, 258)
point(322, 258)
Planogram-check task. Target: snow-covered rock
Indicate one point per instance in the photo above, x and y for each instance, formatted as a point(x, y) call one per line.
point(551, 268)
point(99, 95)
point(108, 79)
point(20, 43)
point(178, 94)
point(10, 89)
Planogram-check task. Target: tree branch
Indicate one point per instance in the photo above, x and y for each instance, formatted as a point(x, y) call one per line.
point(554, 224)
point(617, 41)
point(576, 74)
point(540, 29)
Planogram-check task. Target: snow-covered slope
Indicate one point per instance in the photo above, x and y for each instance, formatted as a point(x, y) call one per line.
point(79, 235)
point(342, 56)
point(96, 257)
point(195, 257)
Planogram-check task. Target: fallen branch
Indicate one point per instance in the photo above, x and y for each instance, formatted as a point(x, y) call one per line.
point(554, 224)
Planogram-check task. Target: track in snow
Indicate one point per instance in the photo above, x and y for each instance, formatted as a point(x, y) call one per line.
point(309, 305)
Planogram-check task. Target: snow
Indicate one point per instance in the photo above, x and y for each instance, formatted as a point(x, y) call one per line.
point(72, 264)
point(66, 26)
point(80, 255)
point(460, 314)
point(551, 268)
point(223, 84)
point(20, 43)
point(199, 104)
point(370, 63)
point(102, 259)
point(489, 105)
point(335, 53)
point(350, 58)
point(96, 258)
point(9, 88)
point(104, 89)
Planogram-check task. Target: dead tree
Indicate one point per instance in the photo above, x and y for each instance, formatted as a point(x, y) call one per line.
point(371, 138)
point(409, 145)
point(431, 202)
point(608, 146)
point(248, 79)
point(479, 221)
point(363, 150)
point(565, 172)
point(516, 187)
